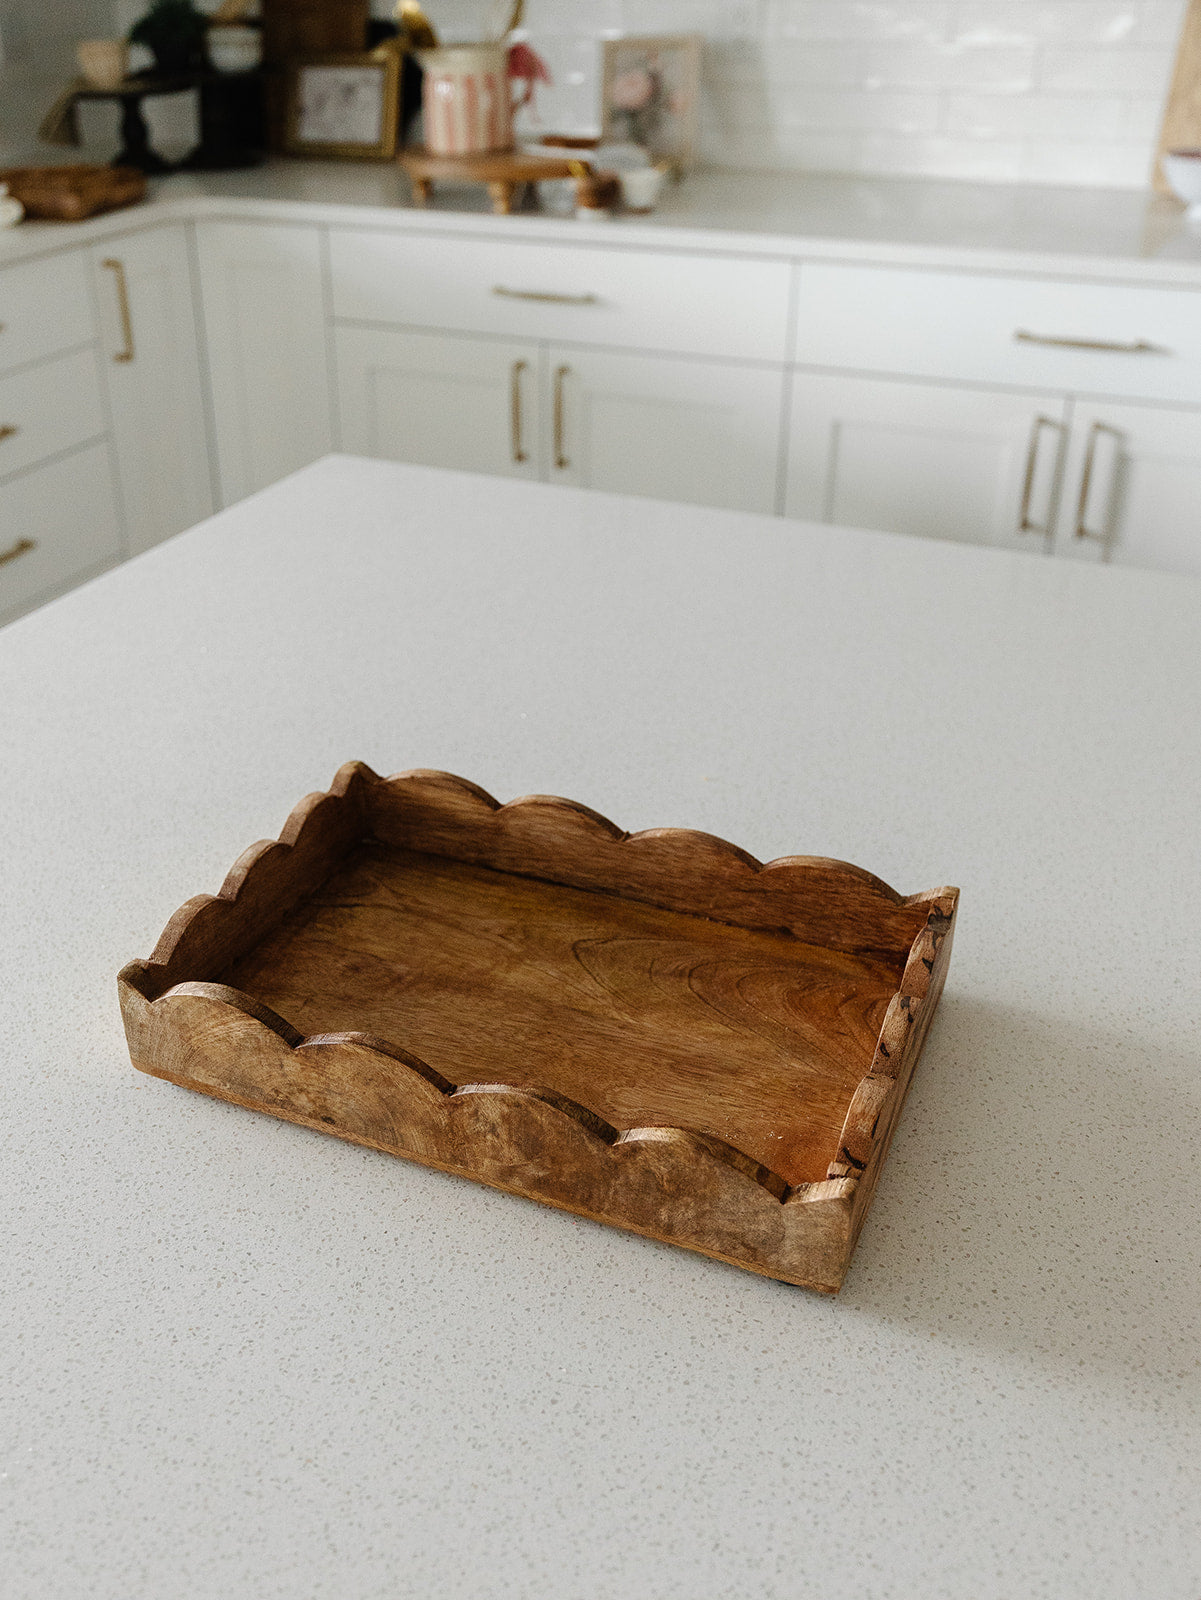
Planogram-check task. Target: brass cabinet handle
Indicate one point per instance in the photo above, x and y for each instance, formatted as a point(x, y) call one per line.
point(1026, 523)
point(515, 429)
point(561, 376)
point(1136, 347)
point(545, 296)
point(1082, 530)
point(22, 547)
point(118, 271)
point(7, 430)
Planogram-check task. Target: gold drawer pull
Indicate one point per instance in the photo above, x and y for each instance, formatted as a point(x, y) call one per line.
point(517, 439)
point(1026, 523)
point(118, 271)
point(561, 460)
point(7, 430)
point(1137, 347)
point(21, 548)
point(545, 296)
point(1082, 529)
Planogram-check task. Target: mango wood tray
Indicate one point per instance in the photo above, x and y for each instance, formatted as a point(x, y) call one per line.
point(653, 1030)
point(69, 194)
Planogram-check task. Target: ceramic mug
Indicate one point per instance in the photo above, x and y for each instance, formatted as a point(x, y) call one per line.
point(233, 48)
point(641, 187)
point(465, 99)
point(11, 209)
point(103, 62)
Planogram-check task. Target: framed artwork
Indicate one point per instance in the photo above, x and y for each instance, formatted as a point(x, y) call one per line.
point(649, 93)
point(344, 106)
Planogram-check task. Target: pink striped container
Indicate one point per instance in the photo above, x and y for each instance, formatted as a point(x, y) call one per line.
point(465, 99)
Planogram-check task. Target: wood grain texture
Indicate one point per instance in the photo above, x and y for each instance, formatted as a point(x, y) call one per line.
point(1181, 129)
point(653, 1039)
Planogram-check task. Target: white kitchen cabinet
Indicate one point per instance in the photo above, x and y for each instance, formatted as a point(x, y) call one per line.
point(699, 431)
point(1133, 487)
point(44, 308)
point(1029, 332)
point(697, 304)
point(151, 363)
point(442, 400)
point(58, 524)
point(49, 407)
point(946, 462)
point(262, 290)
point(704, 432)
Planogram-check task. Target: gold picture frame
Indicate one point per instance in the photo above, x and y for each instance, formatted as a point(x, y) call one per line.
point(663, 72)
point(344, 107)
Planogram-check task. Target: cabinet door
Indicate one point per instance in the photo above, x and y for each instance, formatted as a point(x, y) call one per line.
point(1133, 487)
point(151, 365)
point(264, 318)
point(698, 431)
point(946, 462)
point(441, 400)
point(58, 525)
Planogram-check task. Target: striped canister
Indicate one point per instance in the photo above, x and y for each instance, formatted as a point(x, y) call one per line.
point(465, 99)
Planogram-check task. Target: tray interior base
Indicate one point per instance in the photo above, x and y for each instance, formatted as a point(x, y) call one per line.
point(643, 1016)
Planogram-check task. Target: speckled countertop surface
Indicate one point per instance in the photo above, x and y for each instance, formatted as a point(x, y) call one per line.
point(1108, 234)
point(244, 1361)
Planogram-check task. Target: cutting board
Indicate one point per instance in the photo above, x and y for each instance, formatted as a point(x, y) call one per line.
point(1181, 128)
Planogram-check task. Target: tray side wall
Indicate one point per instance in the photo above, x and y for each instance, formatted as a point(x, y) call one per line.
point(665, 1183)
point(876, 1106)
point(265, 884)
point(819, 901)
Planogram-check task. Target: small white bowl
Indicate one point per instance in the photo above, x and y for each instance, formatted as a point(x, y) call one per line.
point(641, 188)
point(1183, 170)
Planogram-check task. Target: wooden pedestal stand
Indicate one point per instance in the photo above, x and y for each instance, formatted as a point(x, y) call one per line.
point(503, 171)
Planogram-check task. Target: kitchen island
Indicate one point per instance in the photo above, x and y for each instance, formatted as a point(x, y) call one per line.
point(243, 1359)
point(1005, 365)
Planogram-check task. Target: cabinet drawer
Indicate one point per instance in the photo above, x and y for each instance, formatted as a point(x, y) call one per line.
point(58, 522)
point(1001, 330)
point(636, 299)
point(45, 307)
point(49, 408)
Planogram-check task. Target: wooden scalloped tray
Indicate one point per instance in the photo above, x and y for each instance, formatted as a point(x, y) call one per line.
point(653, 1030)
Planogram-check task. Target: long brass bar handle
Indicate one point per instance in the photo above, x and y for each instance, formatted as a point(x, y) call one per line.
point(545, 296)
point(1026, 523)
point(1082, 530)
point(118, 271)
point(561, 376)
point(1136, 347)
point(7, 430)
point(515, 428)
point(22, 547)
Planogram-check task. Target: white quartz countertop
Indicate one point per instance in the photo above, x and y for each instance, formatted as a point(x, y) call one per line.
point(1097, 233)
point(242, 1359)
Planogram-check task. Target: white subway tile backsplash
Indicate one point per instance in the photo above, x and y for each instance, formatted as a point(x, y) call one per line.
point(951, 66)
point(856, 19)
point(1066, 21)
point(1050, 91)
point(1161, 21)
point(995, 161)
point(1137, 71)
point(1070, 118)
